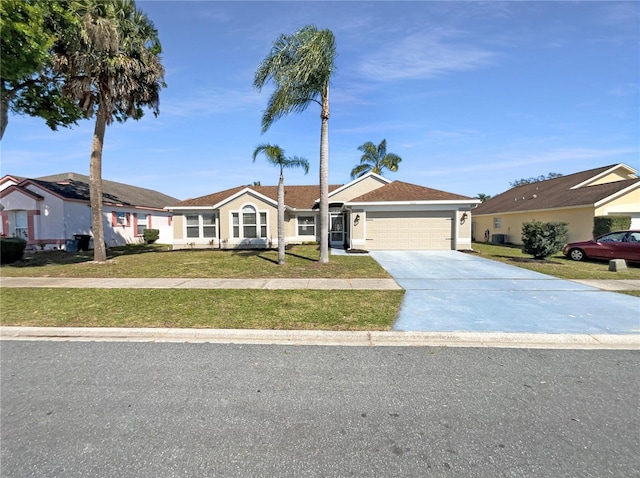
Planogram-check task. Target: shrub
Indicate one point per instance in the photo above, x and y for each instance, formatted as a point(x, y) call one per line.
point(542, 239)
point(605, 224)
point(11, 249)
point(151, 235)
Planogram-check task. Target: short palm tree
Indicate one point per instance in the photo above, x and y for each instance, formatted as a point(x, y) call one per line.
point(375, 159)
point(111, 69)
point(275, 155)
point(301, 66)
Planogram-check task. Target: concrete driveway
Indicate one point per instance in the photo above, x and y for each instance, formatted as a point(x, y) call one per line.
point(450, 291)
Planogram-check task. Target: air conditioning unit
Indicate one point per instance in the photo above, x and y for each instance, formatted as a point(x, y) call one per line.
point(498, 238)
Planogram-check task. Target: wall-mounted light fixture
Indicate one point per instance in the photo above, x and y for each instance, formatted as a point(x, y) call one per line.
point(463, 218)
point(356, 220)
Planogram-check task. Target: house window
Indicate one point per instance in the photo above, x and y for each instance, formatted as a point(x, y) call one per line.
point(249, 222)
point(497, 223)
point(18, 224)
point(121, 219)
point(193, 225)
point(306, 226)
point(201, 225)
point(142, 224)
point(253, 224)
point(208, 225)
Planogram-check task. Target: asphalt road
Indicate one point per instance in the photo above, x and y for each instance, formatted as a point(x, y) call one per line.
point(80, 409)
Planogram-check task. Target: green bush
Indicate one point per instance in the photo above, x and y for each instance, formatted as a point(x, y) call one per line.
point(604, 224)
point(543, 239)
point(151, 235)
point(11, 249)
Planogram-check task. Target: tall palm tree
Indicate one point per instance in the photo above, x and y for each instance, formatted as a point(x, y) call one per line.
point(275, 155)
point(112, 70)
point(301, 66)
point(374, 159)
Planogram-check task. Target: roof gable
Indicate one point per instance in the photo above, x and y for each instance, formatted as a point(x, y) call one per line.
point(358, 187)
point(295, 197)
point(20, 190)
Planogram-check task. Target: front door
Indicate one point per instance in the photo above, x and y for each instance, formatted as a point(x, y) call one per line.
point(336, 229)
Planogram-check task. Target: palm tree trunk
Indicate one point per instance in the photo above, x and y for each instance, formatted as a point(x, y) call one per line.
point(324, 178)
point(95, 184)
point(281, 244)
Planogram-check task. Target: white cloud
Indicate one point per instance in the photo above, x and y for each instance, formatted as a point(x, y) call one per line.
point(214, 100)
point(424, 55)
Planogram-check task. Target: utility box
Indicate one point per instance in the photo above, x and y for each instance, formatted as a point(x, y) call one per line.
point(498, 238)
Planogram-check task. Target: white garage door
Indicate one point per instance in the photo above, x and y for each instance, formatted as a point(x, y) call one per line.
point(409, 230)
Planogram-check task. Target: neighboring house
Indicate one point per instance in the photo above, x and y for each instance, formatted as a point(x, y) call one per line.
point(50, 210)
point(575, 199)
point(370, 213)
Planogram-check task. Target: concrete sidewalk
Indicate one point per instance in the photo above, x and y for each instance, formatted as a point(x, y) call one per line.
point(311, 284)
point(185, 283)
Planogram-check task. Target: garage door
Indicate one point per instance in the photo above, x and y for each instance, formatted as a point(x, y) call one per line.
point(409, 230)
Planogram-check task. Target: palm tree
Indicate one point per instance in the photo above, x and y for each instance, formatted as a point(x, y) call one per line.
point(483, 197)
point(112, 70)
point(301, 65)
point(275, 155)
point(374, 159)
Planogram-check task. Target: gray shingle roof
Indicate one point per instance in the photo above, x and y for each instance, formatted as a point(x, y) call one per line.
point(76, 186)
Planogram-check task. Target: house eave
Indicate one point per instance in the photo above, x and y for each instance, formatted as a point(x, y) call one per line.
point(456, 202)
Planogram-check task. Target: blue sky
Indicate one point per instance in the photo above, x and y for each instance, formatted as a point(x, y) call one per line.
point(472, 95)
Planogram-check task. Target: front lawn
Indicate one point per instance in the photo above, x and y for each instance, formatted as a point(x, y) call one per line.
point(196, 308)
point(556, 265)
point(158, 261)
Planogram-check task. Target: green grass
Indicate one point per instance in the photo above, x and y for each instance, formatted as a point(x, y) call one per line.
point(225, 309)
point(556, 265)
point(157, 261)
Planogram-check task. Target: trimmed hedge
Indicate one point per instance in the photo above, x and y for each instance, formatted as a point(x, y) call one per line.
point(604, 224)
point(151, 235)
point(543, 239)
point(11, 249)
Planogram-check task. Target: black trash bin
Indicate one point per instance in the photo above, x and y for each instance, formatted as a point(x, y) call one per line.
point(83, 241)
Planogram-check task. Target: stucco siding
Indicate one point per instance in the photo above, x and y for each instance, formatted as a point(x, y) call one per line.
point(626, 204)
point(358, 189)
point(580, 223)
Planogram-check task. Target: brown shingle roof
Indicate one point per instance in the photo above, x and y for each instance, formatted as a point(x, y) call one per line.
point(400, 191)
point(554, 193)
point(298, 197)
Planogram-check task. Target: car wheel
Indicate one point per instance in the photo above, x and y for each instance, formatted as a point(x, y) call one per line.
point(577, 254)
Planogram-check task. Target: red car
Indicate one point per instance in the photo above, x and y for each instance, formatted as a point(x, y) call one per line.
point(614, 245)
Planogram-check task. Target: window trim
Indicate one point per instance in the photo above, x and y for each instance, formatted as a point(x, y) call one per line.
point(201, 225)
point(261, 225)
point(299, 225)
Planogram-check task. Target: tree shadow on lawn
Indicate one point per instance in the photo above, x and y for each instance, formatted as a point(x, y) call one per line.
point(48, 258)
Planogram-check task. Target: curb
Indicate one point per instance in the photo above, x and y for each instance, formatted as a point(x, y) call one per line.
point(325, 338)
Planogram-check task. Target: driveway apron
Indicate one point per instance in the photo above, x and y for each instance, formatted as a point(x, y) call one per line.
point(449, 291)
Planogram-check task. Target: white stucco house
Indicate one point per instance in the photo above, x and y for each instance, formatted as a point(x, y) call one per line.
point(368, 213)
point(48, 211)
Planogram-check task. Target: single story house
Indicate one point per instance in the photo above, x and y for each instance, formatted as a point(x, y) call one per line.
point(575, 199)
point(47, 211)
point(369, 213)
